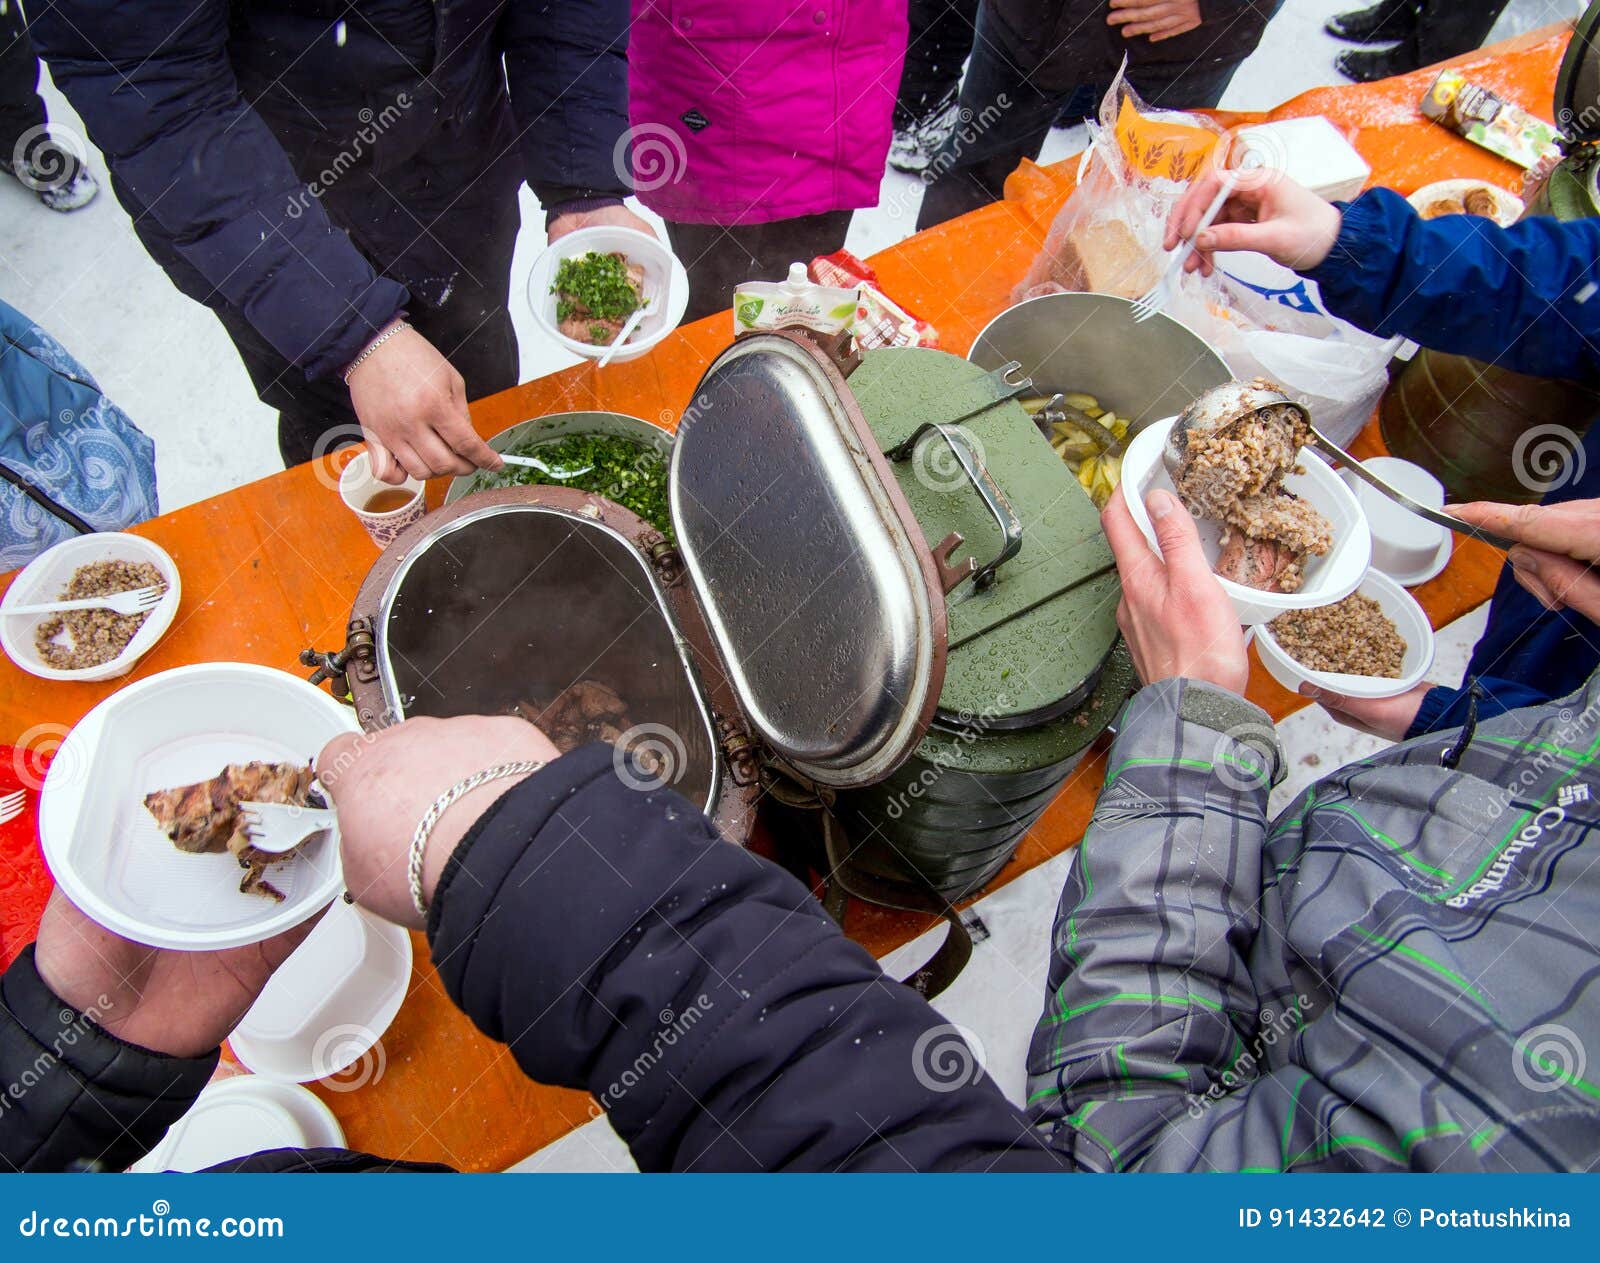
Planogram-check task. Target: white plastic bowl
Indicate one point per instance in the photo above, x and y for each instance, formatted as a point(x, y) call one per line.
point(176, 728)
point(233, 1118)
point(664, 277)
point(1327, 578)
point(1405, 547)
point(46, 577)
point(1409, 621)
point(330, 1002)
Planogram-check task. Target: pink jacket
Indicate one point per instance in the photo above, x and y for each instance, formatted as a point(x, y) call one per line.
point(746, 111)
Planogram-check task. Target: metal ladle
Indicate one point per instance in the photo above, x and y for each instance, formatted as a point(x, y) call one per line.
point(1225, 404)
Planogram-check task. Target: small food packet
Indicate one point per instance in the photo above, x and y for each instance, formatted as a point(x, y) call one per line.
point(1471, 110)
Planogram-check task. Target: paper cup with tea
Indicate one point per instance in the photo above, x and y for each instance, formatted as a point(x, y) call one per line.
point(384, 509)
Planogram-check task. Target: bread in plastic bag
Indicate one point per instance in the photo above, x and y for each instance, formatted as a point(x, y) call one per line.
point(1107, 238)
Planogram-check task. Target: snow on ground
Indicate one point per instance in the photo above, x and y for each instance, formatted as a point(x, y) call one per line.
point(166, 361)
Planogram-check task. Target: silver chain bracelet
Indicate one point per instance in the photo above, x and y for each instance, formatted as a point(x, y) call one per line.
point(441, 804)
point(373, 346)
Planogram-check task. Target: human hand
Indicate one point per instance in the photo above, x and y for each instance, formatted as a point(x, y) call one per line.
point(1387, 717)
point(1558, 543)
point(180, 1003)
point(614, 216)
point(1174, 615)
point(383, 783)
point(1270, 214)
point(412, 405)
point(1159, 19)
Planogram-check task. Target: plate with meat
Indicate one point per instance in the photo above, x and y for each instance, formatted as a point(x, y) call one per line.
point(139, 818)
point(1281, 529)
point(584, 288)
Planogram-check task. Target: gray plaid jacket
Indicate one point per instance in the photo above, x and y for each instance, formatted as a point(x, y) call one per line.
point(1399, 972)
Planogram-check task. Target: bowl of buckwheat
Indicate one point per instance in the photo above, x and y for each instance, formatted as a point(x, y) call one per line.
point(96, 643)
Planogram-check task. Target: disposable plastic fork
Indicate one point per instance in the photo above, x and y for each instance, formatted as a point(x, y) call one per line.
point(279, 827)
point(137, 601)
point(1155, 302)
point(11, 806)
point(639, 313)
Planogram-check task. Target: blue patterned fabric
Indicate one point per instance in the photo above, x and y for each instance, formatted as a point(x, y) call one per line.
point(65, 439)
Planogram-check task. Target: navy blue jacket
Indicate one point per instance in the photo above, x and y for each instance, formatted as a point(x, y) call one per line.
point(228, 126)
point(1522, 297)
point(614, 943)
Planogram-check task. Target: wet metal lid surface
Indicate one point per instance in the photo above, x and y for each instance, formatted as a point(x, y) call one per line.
point(1029, 647)
point(813, 576)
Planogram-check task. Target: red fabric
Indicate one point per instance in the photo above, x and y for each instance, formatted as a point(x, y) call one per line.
point(25, 883)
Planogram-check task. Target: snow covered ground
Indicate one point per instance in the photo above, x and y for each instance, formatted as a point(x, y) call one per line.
point(166, 361)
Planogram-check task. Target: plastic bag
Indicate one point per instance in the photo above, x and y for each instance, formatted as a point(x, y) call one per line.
point(1107, 238)
point(1263, 320)
point(1266, 321)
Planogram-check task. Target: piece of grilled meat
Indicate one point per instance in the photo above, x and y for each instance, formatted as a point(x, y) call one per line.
point(204, 818)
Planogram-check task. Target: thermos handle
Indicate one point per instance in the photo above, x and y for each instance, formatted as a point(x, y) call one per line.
point(1005, 517)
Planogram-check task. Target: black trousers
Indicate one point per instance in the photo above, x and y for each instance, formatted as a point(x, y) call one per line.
point(21, 106)
point(1448, 28)
point(719, 257)
point(938, 44)
point(1006, 119)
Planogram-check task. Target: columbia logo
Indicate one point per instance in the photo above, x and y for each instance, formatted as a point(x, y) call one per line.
point(1569, 794)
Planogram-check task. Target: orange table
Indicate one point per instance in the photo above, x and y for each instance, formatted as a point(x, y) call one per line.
point(272, 568)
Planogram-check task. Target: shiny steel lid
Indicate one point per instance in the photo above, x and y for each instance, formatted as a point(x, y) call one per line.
point(815, 581)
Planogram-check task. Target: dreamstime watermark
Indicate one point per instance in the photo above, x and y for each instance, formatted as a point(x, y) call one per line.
point(325, 468)
point(649, 757)
point(1571, 730)
point(373, 125)
point(658, 157)
point(46, 158)
point(1548, 457)
point(160, 1222)
point(37, 753)
point(1271, 1026)
point(967, 728)
point(673, 1028)
point(74, 1027)
point(937, 466)
point(1548, 1058)
point(947, 1058)
point(970, 128)
point(1237, 760)
point(1249, 162)
point(348, 1057)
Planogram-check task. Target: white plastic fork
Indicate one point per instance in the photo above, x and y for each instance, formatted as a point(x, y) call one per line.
point(279, 827)
point(1161, 293)
point(11, 806)
point(136, 601)
point(626, 332)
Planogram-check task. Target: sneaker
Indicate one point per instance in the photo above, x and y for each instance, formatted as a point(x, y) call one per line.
point(60, 181)
point(915, 144)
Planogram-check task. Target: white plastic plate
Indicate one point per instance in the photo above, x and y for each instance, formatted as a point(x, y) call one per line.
point(1410, 621)
point(330, 1002)
point(175, 728)
point(46, 576)
point(1327, 579)
point(236, 1117)
point(664, 277)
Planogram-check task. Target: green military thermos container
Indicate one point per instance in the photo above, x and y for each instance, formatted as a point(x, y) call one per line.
point(939, 716)
point(1486, 432)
